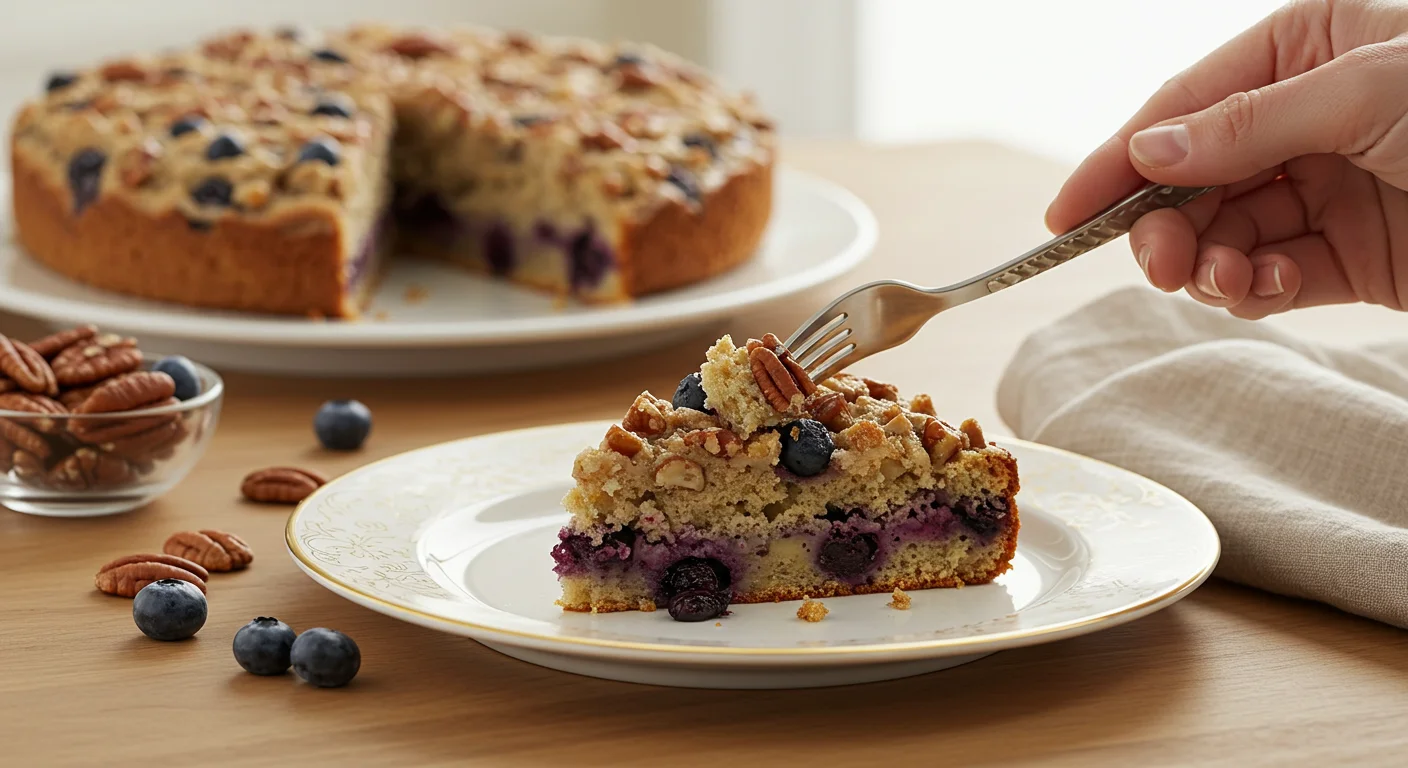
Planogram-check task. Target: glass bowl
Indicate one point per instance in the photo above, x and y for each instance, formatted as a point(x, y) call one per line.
point(84, 465)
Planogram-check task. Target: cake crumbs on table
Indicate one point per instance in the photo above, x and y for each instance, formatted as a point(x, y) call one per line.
point(415, 294)
point(899, 600)
point(811, 610)
point(718, 623)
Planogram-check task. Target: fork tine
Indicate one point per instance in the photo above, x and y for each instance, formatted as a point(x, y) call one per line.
point(820, 351)
point(811, 333)
point(833, 364)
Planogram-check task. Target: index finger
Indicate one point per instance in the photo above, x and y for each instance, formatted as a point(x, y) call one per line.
point(1245, 62)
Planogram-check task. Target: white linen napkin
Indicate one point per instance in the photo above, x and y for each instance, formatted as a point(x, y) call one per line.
point(1297, 452)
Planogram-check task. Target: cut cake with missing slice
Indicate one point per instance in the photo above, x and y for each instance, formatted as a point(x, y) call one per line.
point(755, 484)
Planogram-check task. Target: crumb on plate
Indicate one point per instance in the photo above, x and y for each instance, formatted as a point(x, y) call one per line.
point(899, 600)
point(811, 610)
point(415, 294)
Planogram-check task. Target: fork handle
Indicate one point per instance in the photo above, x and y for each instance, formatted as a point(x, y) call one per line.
point(1104, 227)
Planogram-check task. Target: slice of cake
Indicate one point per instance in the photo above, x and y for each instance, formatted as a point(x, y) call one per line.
point(267, 171)
point(755, 484)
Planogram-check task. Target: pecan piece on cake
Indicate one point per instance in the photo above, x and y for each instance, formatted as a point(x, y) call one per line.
point(27, 368)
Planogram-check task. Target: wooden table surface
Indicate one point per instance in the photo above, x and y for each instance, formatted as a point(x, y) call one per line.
point(1229, 676)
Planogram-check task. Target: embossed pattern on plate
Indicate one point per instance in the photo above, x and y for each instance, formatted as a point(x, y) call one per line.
point(456, 537)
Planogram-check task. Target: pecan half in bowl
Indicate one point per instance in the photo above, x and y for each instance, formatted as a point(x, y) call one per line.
point(105, 446)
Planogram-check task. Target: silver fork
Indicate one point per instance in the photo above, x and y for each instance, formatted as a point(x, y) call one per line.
point(887, 313)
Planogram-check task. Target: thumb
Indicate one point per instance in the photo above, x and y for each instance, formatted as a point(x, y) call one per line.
point(1341, 107)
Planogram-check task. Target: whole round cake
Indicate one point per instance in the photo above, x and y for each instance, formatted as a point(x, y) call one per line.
point(271, 172)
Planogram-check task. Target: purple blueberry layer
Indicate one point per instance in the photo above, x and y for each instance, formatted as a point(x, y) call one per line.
point(588, 256)
point(358, 267)
point(848, 545)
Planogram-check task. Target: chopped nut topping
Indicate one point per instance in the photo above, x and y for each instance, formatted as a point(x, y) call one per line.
point(880, 390)
point(974, 432)
point(623, 442)
point(717, 441)
point(679, 472)
point(923, 404)
point(646, 416)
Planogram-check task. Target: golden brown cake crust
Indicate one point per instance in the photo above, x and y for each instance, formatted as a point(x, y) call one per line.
point(676, 246)
point(290, 267)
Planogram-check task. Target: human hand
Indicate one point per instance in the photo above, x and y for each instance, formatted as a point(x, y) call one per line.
point(1302, 123)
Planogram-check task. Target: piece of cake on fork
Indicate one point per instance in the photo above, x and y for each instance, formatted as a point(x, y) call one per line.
point(755, 484)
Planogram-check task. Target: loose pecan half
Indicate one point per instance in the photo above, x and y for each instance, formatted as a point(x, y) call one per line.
point(86, 469)
point(215, 550)
point(26, 439)
point(126, 576)
point(55, 343)
point(29, 467)
point(95, 359)
point(43, 408)
point(26, 367)
point(130, 392)
point(281, 485)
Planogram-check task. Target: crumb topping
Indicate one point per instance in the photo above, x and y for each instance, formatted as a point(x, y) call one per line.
point(811, 610)
point(667, 471)
point(272, 123)
point(899, 600)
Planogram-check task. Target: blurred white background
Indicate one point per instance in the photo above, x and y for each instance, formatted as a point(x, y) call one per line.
point(1054, 78)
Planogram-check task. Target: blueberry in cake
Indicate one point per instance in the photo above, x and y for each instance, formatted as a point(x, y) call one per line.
point(755, 484)
point(270, 171)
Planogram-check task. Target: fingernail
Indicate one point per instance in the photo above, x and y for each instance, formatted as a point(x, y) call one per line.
point(1161, 146)
point(1266, 281)
point(1145, 251)
point(1206, 280)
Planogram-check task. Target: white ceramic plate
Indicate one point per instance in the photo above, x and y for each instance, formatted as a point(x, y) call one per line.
point(431, 318)
point(457, 537)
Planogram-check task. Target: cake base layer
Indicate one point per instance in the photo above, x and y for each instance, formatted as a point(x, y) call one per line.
point(296, 266)
point(930, 542)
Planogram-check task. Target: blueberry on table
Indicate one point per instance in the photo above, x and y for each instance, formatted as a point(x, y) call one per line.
point(325, 657)
point(698, 605)
point(342, 425)
point(264, 646)
point(186, 125)
point(214, 190)
point(806, 447)
point(226, 145)
point(321, 150)
point(183, 372)
point(85, 177)
point(169, 609)
point(690, 394)
point(59, 81)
